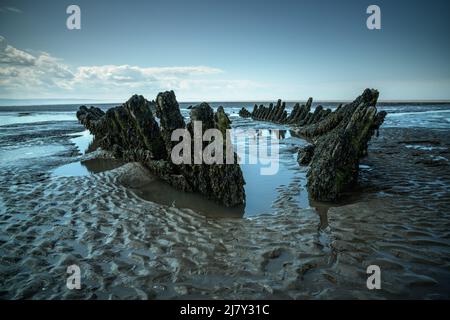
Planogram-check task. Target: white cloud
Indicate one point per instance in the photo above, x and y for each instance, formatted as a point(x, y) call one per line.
point(118, 75)
point(41, 75)
point(12, 56)
point(10, 9)
point(21, 72)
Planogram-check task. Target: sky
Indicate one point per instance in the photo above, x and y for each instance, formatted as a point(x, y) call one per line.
point(207, 50)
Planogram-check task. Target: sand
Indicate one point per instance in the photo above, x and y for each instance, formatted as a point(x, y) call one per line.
point(130, 248)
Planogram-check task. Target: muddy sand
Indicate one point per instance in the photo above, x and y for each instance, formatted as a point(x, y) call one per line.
point(131, 248)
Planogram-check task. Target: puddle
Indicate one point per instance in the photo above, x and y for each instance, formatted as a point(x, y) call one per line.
point(84, 168)
point(83, 141)
point(262, 190)
point(160, 192)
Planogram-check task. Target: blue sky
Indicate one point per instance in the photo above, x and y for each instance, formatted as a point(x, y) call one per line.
point(224, 50)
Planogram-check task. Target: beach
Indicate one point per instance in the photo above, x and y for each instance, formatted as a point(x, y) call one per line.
point(135, 238)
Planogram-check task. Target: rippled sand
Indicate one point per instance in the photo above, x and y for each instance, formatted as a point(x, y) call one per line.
point(129, 248)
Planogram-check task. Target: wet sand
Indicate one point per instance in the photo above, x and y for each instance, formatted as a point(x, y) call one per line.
point(131, 248)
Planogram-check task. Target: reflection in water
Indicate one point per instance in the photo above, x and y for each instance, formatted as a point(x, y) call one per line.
point(160, 192)
point(277, 134)
point(82, 140)
point(86, 167)
point(322, 212)
point(263, 190)
point(280, 134)
point(86, 143)
point(100, 165)
point(322, 208)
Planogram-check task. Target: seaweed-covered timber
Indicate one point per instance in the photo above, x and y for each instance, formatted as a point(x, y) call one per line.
point(300, 115)
point(131, 132)
point(244, 113)
point(338, 140)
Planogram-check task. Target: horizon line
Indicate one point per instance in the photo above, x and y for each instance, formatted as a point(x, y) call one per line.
point(3, 101)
